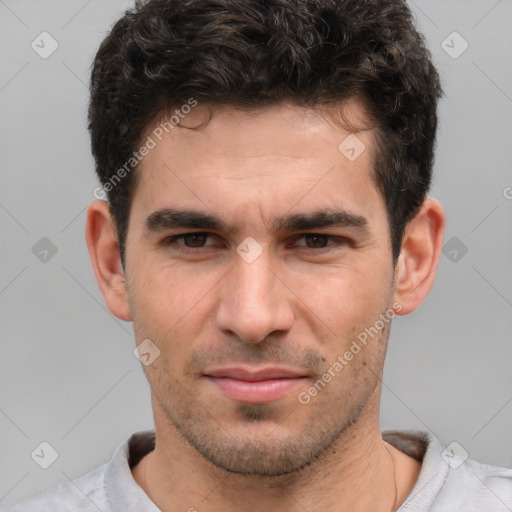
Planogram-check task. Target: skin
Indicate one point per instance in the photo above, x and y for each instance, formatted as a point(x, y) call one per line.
point(299, 305)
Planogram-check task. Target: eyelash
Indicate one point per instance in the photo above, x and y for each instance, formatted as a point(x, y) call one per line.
point(337, 241)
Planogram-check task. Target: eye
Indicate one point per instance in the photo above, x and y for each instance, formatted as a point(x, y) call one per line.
point(190, 240)
point(319, 241)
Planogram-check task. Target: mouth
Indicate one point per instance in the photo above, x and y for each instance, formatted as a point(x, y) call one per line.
point(253, 385)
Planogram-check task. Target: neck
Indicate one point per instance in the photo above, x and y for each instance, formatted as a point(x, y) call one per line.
point(359, 473)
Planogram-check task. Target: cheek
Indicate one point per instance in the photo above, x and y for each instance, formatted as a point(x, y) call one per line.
point(162, 291)
point(347, 299)
point(169, 305)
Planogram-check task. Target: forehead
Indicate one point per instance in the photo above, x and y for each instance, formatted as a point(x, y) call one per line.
point(269, 158)
point(275, 129)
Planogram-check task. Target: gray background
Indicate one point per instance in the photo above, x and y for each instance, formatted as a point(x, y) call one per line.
point(68, 375)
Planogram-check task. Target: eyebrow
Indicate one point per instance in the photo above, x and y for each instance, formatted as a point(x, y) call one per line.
point(169, 218)
point(320, 219)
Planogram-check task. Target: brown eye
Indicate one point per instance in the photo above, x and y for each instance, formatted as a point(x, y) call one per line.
point(320, 241)
point(189, 240)
point(195, 239)
point(316, 241)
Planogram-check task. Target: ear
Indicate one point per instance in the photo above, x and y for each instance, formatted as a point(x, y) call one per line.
point(421, 249)
point(101, 238)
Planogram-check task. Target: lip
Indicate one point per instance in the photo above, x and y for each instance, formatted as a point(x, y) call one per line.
point(255, 385)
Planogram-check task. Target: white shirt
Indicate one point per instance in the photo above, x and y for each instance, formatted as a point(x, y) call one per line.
point(447, 483)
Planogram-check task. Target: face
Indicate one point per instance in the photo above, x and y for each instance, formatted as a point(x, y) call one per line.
point(256, 254)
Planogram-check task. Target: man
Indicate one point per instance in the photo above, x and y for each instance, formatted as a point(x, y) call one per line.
point(266, 166)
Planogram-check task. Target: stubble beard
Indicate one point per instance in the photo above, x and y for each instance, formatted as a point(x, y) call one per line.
point(269, 448)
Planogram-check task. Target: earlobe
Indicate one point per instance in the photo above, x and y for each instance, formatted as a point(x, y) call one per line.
point(105, 257)
point(421, 249)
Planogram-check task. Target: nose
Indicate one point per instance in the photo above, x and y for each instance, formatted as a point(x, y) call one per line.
point(255, 301)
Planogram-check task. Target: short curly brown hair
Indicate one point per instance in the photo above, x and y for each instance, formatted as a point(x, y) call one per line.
point(252, 53)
